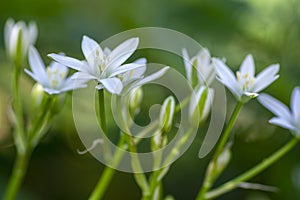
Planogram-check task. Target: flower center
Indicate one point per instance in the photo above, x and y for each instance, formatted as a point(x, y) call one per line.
point(101, 61)
point(55, 77)
point(246, 81)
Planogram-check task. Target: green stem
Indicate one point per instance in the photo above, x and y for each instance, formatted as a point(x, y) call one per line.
point(226, 134)
point(17, 104)
point(102, 109)
point(210, 174)
point(19, 171)
point(108, 173)
point(230, 185)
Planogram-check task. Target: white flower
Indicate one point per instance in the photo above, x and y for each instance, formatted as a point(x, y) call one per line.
point(199, 69)
point(104, 66)
point(18, 38)
point(285, 117)
point(245, 85)
point(53, 79)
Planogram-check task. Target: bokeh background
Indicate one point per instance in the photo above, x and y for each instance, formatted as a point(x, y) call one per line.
point(269, 29)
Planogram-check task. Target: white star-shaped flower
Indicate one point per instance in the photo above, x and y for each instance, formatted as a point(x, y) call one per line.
point(104, 66)
point(285, 117)
point(53, 78)
point(245, 85)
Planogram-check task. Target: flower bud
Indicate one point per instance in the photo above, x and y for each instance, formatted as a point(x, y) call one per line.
point(135, 99)
point(37, 94)
point(167, 114)
point(200, 104)
point(18, 37)
point(159, 140)
point(223, 160)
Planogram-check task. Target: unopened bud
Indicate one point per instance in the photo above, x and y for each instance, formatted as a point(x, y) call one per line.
point(200, 104)
point(223, 160)
point(18, 37)
point(159, 140)
point(167, 114)
point(37, 94)
point(135, 99)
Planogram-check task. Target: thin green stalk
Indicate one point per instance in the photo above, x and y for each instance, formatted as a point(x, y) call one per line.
point(210, 174)
point(19, 171)
point(230, 185)
point(108, 173)
point(101, 105)
point(17, 105)
point(23, 157)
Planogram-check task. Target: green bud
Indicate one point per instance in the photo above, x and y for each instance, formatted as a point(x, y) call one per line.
point(37, 94)
point(223, 160)
point(159, 140)
point(200, 104)
point(167, 114)
point(135, 99)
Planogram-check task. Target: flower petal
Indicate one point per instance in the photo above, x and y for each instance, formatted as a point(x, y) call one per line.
point(84, 76)
point(148, 79)
point(68, 61)
point(7, 32)
point(92, 52)
point(266, 77)
point(187, 64)
point(247, 66)
point(282, 123)
point(123, 69)
point(295, 102)
point(226, 76)
point(122, 52)
point(113, 85)
point(275, 106)
point(36, 64)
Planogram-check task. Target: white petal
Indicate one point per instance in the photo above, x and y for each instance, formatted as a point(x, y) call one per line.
point(247, 66)
point(227, 77)
point(266, 77)
point(68, 61)
point(51, 91)
point(113, 85)
point(7, 32)
point(141, 61)
point(133, 75)
point(295, 102)
point(91, 50)
point(122, 52)
point(36, 64)
point(282, 122)
point(37, 78)
point(187, 64)
point(123, 69)
point(33, 32)
point(84, 76)
point(275, 106)
point(148, 79)
point(72, 84)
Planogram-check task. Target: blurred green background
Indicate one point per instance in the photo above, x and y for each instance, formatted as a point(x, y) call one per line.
point(269, 29)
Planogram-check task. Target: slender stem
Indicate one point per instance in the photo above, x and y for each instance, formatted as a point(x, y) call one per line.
point(210, 174)
point(227, 131)
point(17, 104)
point(108, 173)
point(230, 185)
point(102, 110)
point(19, 171)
